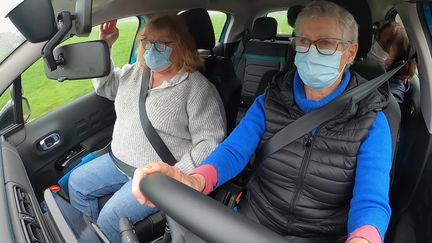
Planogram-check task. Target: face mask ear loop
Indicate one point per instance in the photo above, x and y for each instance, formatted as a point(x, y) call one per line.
point(347, 65)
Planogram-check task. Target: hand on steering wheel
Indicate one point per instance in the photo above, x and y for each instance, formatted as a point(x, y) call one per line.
point(195, 181)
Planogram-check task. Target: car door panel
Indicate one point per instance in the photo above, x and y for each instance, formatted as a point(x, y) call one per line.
point(85, 123)
point(16, 183)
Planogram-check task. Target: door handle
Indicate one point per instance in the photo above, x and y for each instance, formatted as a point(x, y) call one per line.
point(50, 141)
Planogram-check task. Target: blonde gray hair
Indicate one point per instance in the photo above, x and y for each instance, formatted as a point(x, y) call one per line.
point(320, 9)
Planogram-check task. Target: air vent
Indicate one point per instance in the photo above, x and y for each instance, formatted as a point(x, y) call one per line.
point(24, 203)
point(31, 227)
point(34, 232)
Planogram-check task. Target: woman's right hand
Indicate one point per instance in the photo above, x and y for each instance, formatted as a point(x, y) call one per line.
point(195, 181)
point(109, 32)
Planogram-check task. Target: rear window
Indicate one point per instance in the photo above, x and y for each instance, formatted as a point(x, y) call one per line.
point(281, 17)
point(218, 20)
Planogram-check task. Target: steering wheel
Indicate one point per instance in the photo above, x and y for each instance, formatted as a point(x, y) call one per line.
point(205, 217)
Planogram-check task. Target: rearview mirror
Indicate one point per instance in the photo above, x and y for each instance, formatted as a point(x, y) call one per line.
point(80, 61)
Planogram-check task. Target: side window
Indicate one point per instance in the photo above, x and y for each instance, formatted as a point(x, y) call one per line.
point(13, 112)
point(218, 20)
point(282, 22)
point(7, 112)
point(45, 95)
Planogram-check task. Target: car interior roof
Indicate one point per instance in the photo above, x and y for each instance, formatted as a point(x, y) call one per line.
point(123, 8)
point(243, 16)
point(245, 11)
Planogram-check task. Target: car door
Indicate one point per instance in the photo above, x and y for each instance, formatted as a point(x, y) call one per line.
point(67, 120)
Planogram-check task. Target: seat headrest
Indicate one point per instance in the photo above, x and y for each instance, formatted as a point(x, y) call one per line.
point(200, 27)
point(292, 14)
point(361, 12)
point(264, 28)
point(368, 68)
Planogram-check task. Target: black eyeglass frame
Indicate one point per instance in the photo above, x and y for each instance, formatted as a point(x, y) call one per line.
point(160, 46)
point(319, 49)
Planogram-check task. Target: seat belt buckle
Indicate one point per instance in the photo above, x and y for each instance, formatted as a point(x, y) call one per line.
point(57, 189)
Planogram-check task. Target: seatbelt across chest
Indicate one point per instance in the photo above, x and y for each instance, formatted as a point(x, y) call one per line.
point(313, 119)
point(153, 137)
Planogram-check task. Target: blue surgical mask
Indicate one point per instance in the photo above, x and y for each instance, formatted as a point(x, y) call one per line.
point(158, 61)
point(318, 71)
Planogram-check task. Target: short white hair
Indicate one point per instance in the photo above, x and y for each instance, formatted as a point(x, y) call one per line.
point(320, 9)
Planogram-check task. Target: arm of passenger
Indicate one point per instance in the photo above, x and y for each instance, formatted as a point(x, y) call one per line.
point(207, 125)
point(232, 156)
point(370, 211)
point(107, 86)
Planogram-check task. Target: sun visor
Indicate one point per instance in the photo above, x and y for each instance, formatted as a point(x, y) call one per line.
point(34, 19)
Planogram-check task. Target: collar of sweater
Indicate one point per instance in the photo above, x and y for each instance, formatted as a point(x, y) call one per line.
point(307, 105)
point(180, 76)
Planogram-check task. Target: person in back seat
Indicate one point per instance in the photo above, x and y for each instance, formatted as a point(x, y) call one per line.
point(390, 48)
point(330, 185)
point(182, 105)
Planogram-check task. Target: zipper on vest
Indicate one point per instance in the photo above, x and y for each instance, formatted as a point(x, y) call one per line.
point(305, 162)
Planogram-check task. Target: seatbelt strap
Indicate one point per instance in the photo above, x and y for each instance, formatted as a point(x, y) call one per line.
point(313, 119)
point(240, 49)
point(125, 168)
point(153, 137)
point(150, 132)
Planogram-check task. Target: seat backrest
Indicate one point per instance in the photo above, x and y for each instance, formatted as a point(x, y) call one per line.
point(369, 69)
point(218, 70)
point(262, 53)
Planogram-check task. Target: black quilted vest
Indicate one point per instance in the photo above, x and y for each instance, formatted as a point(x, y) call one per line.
point(305, 188)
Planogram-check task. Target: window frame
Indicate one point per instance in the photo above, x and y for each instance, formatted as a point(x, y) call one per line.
point(18, 121)
point(43, 109)
point(132, 56)
point(18, 118)
point(224, 25)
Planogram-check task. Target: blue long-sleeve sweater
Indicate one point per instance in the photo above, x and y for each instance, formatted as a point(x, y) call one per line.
point(370, 202)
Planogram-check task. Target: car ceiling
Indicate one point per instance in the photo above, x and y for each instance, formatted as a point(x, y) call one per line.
point(113, 9)
point(245, 11)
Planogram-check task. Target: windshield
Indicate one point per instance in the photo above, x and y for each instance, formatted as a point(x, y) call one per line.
point(10, 38)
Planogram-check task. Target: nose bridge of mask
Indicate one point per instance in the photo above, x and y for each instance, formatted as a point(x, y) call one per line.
point(153, 47)
point(314, 50)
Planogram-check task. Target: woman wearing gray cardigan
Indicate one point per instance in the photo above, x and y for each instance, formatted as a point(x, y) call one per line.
point(182, 105)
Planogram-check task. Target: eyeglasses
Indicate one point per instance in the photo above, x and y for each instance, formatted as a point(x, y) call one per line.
point(160, 46)
point(325, 46)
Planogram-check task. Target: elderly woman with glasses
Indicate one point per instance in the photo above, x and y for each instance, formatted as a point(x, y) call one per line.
point(330, 185)
point(183, 106)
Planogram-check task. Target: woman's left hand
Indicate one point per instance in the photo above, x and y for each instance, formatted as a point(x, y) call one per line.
point(195, 181)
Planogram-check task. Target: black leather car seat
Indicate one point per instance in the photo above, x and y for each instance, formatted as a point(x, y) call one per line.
point(219, 70)
point(262, 52)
